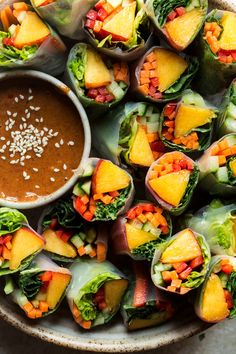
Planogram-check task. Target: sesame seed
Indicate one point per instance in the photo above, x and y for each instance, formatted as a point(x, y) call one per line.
point(56, 170)
point(37, 120)
point(21, 97)
point(30, 90)
point(35, 169)
point(52, 179)
point(65, 166)
point(28, 115)
point(27, 177)
point(9, 113)
point(32, 108)
point(24, 173)
point(70, 143)
point(28, 157)
point(23, 119)
point(57, 145)
point(61, 142)
point(30, 98)
point(38, 155)
point(14, 114)
point(41, 120)
point(3, 157)
point(37, 186)
point(2, 138)
point(22, 163)
point(16, 99)
point(55, 134)
point(37, 109)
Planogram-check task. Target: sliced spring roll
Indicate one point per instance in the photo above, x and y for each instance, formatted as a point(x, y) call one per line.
point(218, 167)
point(217, 222)
point(144, 305)
point(128, 135)
point(95, 293)
point(118, 28)
point(227, 118)
point(187, 125)
point(19, 243)
point(99, 82)
point(103, 192)
point(141, 230)
point(181, 263)
point(162, 75)
point(66, 16)
point(28, 42)
point(216, 299)
point(178, 20)
point(171, 180)
point(68, 237)
point(217, 52)
point(41, 287)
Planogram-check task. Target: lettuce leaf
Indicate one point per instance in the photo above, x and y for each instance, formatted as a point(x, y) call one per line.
point(162, 8)
point(10, 220)
point(30, 283)
point(77, 65)
point(231, 286)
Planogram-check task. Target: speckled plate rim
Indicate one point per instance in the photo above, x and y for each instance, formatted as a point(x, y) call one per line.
point(114, 346)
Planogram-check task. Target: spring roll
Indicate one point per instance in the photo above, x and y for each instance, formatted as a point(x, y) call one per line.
point(128, 135)
point(217, 52)
point(19, 243)
point(68, 237)
point(118, 28)
point(162, 75)
point(179, 21)
point(216, 222)
point(218, 167)
point(95, 293)
point(144, 305)
point(141, 230)
point(99, 82)
point(28, 42)
point(171, 180)
point(227, 118)
point(216, 299)
point(64, 15)
point(187, 125)
point(180, 264)
point(103, 192)
point(40, 288)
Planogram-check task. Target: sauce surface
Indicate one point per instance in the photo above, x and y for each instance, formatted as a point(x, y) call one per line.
point(41, 139)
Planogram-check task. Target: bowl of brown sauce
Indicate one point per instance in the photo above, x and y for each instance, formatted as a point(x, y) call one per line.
point(44, 139)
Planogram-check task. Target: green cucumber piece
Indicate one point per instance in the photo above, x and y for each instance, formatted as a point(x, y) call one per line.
point(82, 235)
point(152, 127)
point(88, 249)
point(91, 235)
point(76, 241)
point(136, 223)
point(122, 85)
point(9, 286)
point(154, 118)
point(78, 190)
point(231, 139)
point(88, 171)
point(5, 264)
point(115, 89)
point(149, 111)
point(86, 187)
point(160, 267)
point(157, 278)
point(222, 174)
point(224, 279)
point(231, 111)
point(142, 109)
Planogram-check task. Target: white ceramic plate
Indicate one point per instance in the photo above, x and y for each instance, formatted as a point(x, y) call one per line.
point(61, 330)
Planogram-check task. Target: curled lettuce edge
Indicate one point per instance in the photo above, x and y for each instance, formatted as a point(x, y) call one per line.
point(208, 180)
point(41, 263)
point(92, 162)
point(222, 126)
point(184, 80)
point(96, 107)
point(211, 218)
point(106, 130)
point(206, 255)
point(66, 16)
point(208, 131)
point(215, 260)
point(193, 181)
point(213, 74)
point(86, 275)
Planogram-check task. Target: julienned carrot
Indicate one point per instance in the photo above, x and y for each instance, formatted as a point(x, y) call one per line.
point(38, 313)
point(46, 276)
point(43, 306)
point(85, 199)
point(101, 251)
point(223, 144)
point(6, 253)
point(20, 6)
point(81, 250)
point(86, 324)
point(28, 307)
point(222, 160)
point(92, 254)
point(32, 313)
point(4, 19)
point(152, 137)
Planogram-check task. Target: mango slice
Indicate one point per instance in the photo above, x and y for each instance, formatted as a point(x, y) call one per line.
point(56, 288)
point(121, 25)
point(171, 187)
point(190, 117)
point(141, 153)
point(183, 28)
point(183, 249)
point(24, 244)
point(228, 38)
point(170, 66)
point(96, 72)
point(214, 306)
point(114, 291)
point(232, 165)
point(108, 177)
point(55, 245)
point(136, 237)
point(32, 31)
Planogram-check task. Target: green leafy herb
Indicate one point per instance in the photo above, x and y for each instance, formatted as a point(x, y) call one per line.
point(10, 220)
point(30, 283)
point(162, 8)
point(231, 286)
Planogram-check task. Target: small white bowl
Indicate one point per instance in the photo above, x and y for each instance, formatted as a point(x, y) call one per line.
point(87, 136)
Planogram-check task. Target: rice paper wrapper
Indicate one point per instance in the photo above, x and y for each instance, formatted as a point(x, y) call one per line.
point(226, 124)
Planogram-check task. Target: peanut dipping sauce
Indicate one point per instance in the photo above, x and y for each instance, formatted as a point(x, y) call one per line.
point(41, 139)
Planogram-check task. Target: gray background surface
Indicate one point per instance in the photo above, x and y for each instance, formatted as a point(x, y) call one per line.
point(218, 340)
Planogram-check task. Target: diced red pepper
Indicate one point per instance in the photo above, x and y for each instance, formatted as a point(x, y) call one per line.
point(227, 268)
point(103, 91)
point(157, 96)
point(53, 224)
point(102, 14)
point(79, 206)
point(114, 194)
point(102, 305)
point(180, 267)
point(66, 236)
point(108, 8)
point(99, 4)
point(169, 109)
point(59, 233)
point(109, 98)
point(92, 15)
point(184, 275)
point(141, 286)
point(88, 216)
point(89, 24)
point(196, 262)
point(229, 299)
point(158, 146)
point(233, 54)
point(189, 165)
point(99, 296)
point(148, 207)
point(131, 214)
point(183, 164)
point(100, 99)
point(152, 90)
point(8, 41)
point(6, 238)
point(180, 11)
point(46, 276)
point(92, 93)
point(154, 81)
point(97, 26)
point(1, 249)
point(176, 167)
point(172, 15)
